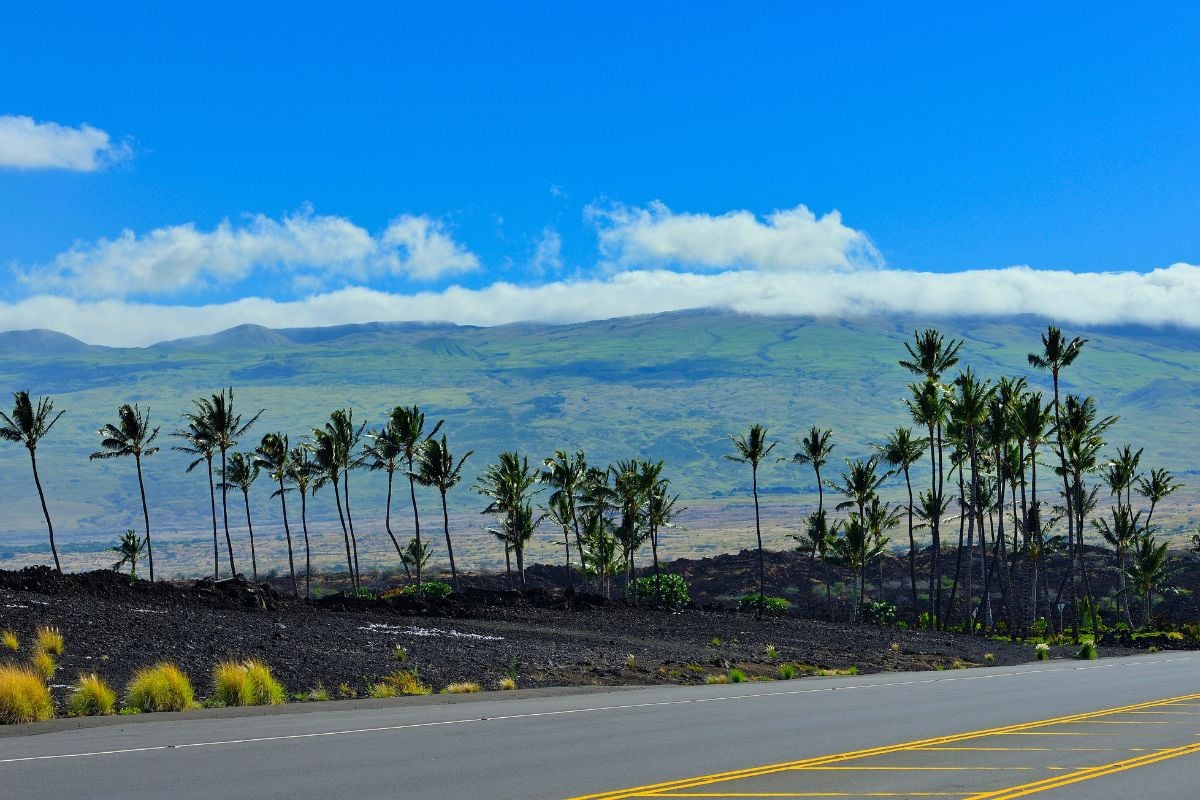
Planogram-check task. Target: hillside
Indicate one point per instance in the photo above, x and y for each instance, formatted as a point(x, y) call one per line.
point(669, 386)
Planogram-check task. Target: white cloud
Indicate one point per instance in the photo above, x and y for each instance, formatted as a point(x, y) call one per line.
point(28, 144)
point(313, 249)
point(547, 252)
point(783, 241)
point(1169, 296)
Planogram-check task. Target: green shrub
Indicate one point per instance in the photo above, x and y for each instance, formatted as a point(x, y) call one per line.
point(162, 687)
point(879, 612)
point(24, 697)
point(1043, 651)
point(43, 664)
point(92, 698)
point(771, 605)
point(430, 590)
point(1087, 651)
point(771, 652)
point(263, 688)
point(737, 676)
point(786, 671)
point(317, 694)
point(673, 590)
point(401, 653)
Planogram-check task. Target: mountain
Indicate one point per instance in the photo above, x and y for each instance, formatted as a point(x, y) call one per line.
point(670, 386)
point(42, 342)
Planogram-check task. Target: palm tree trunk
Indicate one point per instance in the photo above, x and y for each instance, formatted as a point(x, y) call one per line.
point(337, 498)
point(350, 524)
point(762, 571)
point(212, 501)
point(508, 564)
point(137, 459)
point(912, 542)
point(936, 527)
point(307, 548)
point(250, 528)
point(225, 515)
point(387, 517)
point(45, 510)
point(450, 547)
point(412, 493)
point(287, 532)
point(657, 571)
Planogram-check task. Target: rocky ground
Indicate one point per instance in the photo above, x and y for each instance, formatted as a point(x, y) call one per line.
point(113, 625)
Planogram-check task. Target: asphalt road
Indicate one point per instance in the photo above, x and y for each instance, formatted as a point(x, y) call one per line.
point(571, 745)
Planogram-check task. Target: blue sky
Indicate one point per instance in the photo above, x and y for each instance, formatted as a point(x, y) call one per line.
point(560, 160)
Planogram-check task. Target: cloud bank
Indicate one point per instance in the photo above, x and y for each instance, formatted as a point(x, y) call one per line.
point(1164, 296)
point(313, 250)
point(28, 144)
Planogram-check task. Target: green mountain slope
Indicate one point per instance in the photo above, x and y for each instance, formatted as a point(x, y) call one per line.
point(669, 386)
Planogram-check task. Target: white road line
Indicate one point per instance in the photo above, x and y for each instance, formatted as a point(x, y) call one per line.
point(588, 710)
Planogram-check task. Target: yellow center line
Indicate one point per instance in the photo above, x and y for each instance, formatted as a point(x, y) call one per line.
point(806, 794)
point(1028, 749)
point(708, 780)
point(1087, 774)
point(916, 769)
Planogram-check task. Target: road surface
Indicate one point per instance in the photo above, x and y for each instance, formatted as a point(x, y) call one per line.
point(1001, 732)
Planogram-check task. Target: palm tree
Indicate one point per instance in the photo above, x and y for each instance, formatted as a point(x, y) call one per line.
point(272, 454)
point(131, 436)
point(226, 427)
point(300, 472)
point(751, 449)
point(129, 547)
point(240, 473)
point(407, 425)
point(814, 451)
point(563, 474)
point(414, 557)
point(1156, 487)
point(332, 454)
point(928, 407)
point(969, 407)
point(633, 483)
point(1122, 533)
point(508, 483)
point(439, 469)
point(854, 546)
point(199, 442)
point(1149, 571)
point(28, 425)
point(660, 513)
point(901, 449)
point(383, 455)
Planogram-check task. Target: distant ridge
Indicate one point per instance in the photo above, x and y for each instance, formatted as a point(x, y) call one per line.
point(41, 341)
point(241, 337)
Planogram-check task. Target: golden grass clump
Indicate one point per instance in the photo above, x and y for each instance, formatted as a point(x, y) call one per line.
point(49, 640)
point(405, 682)
point(24, 696)
point(716, 679)
point(507, 684)
point(463, 687)
point(318, 694)
point(9, 640)
point(246, 683)
point(43, 664)
point(379, 690)
point(162, 687)
point(92, 697)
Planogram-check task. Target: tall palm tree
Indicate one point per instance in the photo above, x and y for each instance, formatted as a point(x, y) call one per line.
point(240, 473)
point(226, 427)
point(751, 449)
point(969, 407)
point(408, 427)
point(1154, 488)
point(901, 450)
point(199, 442)
point(563, 474)
point(327, 466)
point(661, 511)
point(1122, 533)
point(633, 482)
point(131, 436)
point(29, 424)
point(929, 407)
point(815, 449)
point(300, 472)
point(508, 484)
point(273, 455)
point(383, 455)
point(438, 468)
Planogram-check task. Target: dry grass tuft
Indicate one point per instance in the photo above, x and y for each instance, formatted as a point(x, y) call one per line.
point(246, 683)
point(162, 687)
point(507, 684)
point(43, 664)
point(24, 696)
point(50, 640)
point(405, 682)
point(9, 640)
point(92, 698)
point(716, 678)
point(463, 687)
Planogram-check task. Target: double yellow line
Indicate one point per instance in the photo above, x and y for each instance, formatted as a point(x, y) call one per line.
point(653, 789)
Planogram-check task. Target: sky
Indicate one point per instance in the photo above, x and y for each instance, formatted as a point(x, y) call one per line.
point(171, 170)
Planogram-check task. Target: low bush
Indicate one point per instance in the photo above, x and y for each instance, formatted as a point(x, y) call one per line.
point(405, 682)
point(880, 613)
point(771, 605)
point(92, 697)
point(1043, 651)
point(631, 661)
point(246, 683)
point(716, 679)
point(1087, 651)
point(786, 671)
point(162, 687)
point(463, 687)
point(507, 684)
point(380, 690)
point(430, 590)
point(317, 694)
point(771, 652)
point(737, 676)
point(401, 653)
point(9, 640)
point(49, 640)
point(24, 697)
point(672, 590)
